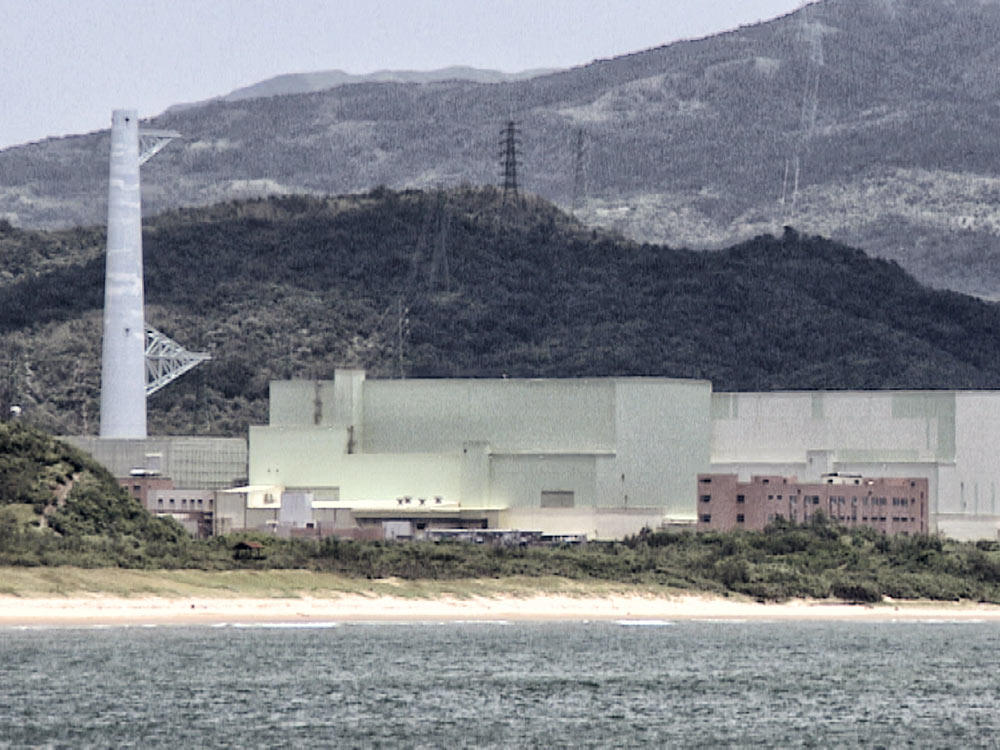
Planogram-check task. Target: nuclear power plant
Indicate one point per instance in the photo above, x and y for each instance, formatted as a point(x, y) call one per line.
point(594, 458)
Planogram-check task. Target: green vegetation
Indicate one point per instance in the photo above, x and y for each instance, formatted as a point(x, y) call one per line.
point(818, 561)
point(293, 287)
point(58, 506)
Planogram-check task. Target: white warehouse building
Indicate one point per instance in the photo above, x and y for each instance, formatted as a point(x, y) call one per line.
point(602, 457)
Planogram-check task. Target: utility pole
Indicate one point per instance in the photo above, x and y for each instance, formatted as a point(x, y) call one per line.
point(402, 329)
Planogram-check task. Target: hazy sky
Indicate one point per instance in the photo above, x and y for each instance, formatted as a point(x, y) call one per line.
point(65, 64)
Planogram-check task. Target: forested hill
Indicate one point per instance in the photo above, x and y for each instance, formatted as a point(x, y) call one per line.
point(691, 143)
point(457, 284)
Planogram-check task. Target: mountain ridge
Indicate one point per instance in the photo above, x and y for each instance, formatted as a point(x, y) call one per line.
point(685, 144)
point(319, 80)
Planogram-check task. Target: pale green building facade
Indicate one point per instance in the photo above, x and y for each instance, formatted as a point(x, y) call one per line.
point(595, 456)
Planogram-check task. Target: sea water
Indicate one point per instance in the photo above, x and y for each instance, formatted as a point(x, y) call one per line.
point(599, 684)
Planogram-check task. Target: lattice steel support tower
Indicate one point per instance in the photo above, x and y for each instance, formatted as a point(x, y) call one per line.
point(508, 143)
point(128, 343)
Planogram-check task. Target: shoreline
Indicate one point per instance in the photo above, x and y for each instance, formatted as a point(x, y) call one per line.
point(82, 610)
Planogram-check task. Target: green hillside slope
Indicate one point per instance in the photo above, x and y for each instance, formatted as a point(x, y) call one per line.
point(57, 505)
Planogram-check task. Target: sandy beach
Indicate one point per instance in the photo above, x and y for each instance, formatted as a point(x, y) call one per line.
point(101, 609)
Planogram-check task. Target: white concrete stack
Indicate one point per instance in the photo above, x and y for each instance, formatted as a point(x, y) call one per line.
point(123, 367)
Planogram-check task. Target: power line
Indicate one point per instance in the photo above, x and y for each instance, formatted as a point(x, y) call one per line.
point(579, 184)
point(811, 35)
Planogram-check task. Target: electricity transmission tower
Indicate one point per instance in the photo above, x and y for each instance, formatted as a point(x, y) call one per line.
point(509, 142)
point(811, 35)
point(440, 275)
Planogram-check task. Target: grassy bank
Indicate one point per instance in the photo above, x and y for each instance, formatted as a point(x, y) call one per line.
point(71, 581)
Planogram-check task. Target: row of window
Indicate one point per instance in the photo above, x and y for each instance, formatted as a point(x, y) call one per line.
point(834, 500)
point(707, 518)
point(740, 518)
point(877, 519)
point(184, 501)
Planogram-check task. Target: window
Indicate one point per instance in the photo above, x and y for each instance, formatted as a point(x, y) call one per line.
point(741, 499)
point(706, 498)
point(739, 518)
point(706, 480)
point(557, 499)
point(706, 518)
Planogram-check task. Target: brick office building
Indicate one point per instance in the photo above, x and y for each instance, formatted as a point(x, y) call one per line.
point(890, 505)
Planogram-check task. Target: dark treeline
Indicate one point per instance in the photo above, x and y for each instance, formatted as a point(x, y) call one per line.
point(457, 284)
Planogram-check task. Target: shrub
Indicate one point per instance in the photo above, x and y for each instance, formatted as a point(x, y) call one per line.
point(858, 591)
